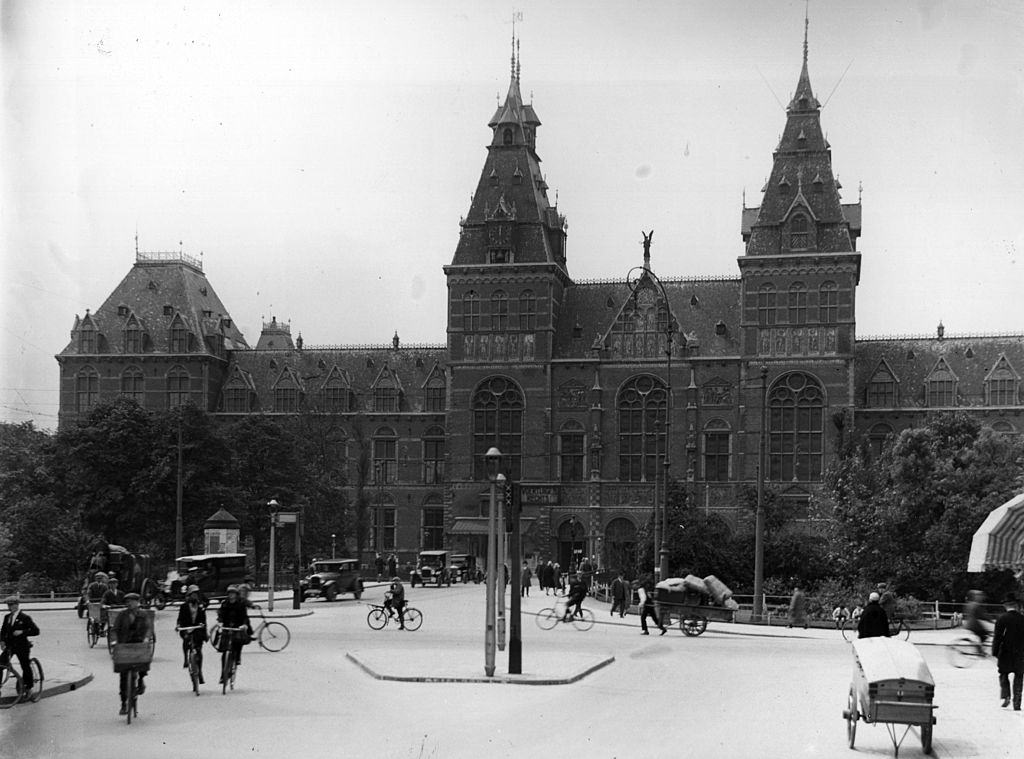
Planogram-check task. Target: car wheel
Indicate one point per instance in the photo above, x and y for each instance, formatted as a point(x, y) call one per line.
point(330, 594)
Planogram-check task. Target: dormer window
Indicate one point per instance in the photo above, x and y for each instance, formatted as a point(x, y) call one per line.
point(87, 338)
point(500, 256)
point(132, 337)
point(799, 233)
point(506, 137)
point(179, 337)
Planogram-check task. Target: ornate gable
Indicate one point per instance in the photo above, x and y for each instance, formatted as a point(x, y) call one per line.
point(640, 329)
point(1002, 369)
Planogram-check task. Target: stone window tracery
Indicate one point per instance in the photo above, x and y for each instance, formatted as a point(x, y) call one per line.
point(470, 312)
point(498, 406)
point(796, 405)
point(640, 330)
point(766, 305)
point(828, 303)
point(499, 311)
point(133, 384)
point(87, 389)
point(177, 387)
point(641, 405)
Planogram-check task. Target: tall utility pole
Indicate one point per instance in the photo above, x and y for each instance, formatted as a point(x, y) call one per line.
point(515, 637)
point(502, 563)
point(178, 519)
point(493, 462)
point(759, 519)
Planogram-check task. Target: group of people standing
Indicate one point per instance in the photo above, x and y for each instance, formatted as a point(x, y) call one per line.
point(380, 564)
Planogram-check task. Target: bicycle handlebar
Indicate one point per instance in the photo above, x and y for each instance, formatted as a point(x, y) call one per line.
point(190, 628)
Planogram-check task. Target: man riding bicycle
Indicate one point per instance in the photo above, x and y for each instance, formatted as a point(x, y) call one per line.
point(191, 614)
point(15, 632)
point(975, 616)
point(394, 600)
point(233, 613)
point(577, 592)
point(131, 626)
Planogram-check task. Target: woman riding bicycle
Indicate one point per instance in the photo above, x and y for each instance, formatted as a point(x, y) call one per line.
point(190, 614)
point(233, 613)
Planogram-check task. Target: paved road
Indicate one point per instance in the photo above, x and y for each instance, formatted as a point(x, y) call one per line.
point(736, 691)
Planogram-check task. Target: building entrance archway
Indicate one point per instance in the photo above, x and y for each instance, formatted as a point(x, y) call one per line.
point(572, 544)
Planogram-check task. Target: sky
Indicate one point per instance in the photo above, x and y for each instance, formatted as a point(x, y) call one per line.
point(319, 155)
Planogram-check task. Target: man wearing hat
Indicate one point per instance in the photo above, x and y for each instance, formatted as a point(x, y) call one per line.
point(97, 587)
point(15, 632)
point(1008, 648)
point(233, 613)
point(131, 626)
point(193, 613)
point(873, 622)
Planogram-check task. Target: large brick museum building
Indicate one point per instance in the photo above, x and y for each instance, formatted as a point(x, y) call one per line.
point(571, 379)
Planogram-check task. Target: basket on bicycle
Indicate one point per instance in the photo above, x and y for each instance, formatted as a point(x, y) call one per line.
point(128, 655)
point(222, 638)
point(95, 610)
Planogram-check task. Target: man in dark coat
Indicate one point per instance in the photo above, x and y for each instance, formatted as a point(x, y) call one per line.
point(131, 626)
point(1008, 648)
point(873, 623)
point(15, 632)
point(620, 592)
point(234, 613)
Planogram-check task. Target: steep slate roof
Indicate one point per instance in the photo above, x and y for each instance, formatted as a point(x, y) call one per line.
point(912, 360)
point(156, 281)
point(511, 181)
point(594, 306)
point(360, 366)
point(801, 176)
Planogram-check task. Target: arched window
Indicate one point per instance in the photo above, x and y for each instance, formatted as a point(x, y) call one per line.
point(385, 396)
point(881, 390)
point(828, 303)
point(178, 336)
point(433, 523)
point(641, 404)
point(620, 545)
point(470, 312)
point(499, 311)
point(177, 387)
point(1001, 385)
point(132, 337)
point(132, 384)
point(940, 388)
point(797, 303)
point(87, 389)
point(716, 451)
point(877, 436)
point(571, 458)
point(527, 311)
point(237, 397)
point(796, 410)
point(87, 337)
point(336, 396)
point(799, 233)
point(1003, 428)
point(766, 305)
point(385, 456)
point(498, 421)
point(434, 395)
point(506, 137)
point(433, 456)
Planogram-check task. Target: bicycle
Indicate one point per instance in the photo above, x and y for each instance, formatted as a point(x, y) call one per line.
point(128, 659)
point(965, 651)
point(95, 625)
point(272, 636)
point(582, 619)
point(228, 663)
point(378, 617)
point(12, 680)
point(192, 656)
point(898, 629)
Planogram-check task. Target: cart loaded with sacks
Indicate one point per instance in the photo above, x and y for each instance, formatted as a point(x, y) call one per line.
point(892, 685)
point(694, 602)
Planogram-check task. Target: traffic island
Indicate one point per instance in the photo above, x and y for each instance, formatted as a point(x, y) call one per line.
point(60, 677)
point(454, 666)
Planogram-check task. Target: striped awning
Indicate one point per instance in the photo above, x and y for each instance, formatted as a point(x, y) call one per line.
point(999, 542)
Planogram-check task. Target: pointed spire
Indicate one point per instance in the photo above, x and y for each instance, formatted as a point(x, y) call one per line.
point(519, 63)
point(803, 98)
point(807, 23)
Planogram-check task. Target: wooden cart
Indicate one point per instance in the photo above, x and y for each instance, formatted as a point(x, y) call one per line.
point(692, 609)
point(892, 685)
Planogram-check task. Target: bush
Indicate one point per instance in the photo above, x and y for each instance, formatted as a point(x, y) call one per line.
point(35, 584)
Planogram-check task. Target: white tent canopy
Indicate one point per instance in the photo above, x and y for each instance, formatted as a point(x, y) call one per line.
point(999, 542)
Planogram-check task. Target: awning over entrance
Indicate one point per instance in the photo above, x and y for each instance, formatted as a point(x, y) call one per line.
point(478, 525)
point(999, 542)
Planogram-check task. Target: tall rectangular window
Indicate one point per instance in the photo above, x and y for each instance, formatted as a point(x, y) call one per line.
point(87, 389)
point(179, 338)
point(433, 461)
point(236, 400)
point(286, 400)
point(132, 339)
point(881, 394)
point(828, 303)
point(572, 459)
point(716, 456)
point(386, 527)
point(1002, 392)
point(385, 400)
point(766, 306)
point(433, 398)
point(336, 399)
point(177, 388)
point(941, 393)
point(433, 528)
point(527, 311)
point(385, 460)
point(797, 304)
point(132, 384)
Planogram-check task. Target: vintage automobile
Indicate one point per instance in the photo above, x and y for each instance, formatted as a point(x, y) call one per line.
point(465, 568)
point(212, 572)
point(328, 578)
point(431, 568)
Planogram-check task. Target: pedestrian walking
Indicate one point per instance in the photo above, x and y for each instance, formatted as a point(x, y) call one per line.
point(392, 565)
point(798, 608)
point(1008, 648)
point(15, 632)
point(558, 581)
point(645, 588)
point(873, 623)
point(378, 564)
point(587, 572)
point(549, 577)
point(620, 595)
point(526, 580)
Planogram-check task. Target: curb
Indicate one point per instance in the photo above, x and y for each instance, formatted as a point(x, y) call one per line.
point(63, 687)
point(496, 680)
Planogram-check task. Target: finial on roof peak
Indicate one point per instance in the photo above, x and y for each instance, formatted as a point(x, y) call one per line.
point(648, 236)
point(519, 61)
point(807, 22)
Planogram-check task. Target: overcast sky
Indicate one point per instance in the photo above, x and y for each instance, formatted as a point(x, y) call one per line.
point(320, 155)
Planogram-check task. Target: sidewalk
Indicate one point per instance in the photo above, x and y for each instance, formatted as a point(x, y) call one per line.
point(61, 677)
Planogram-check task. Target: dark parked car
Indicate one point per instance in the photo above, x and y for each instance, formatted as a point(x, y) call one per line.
point(431, 568)
point(330, 577)
point(465, 568)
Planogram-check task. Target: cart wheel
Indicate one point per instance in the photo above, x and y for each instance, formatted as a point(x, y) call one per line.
point(926, 738)
point(851, 717)
point(693, 626)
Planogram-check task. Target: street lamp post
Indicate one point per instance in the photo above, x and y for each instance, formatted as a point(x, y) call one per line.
point(493, 461)
point(274, 506)
point(334, 545)
point(515, 638)
point(759, 514)
point(502, 563)
point(634, 281)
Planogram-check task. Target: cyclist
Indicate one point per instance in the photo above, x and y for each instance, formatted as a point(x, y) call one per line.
point(975, 616)
point(577, 592)
point(887, 600)
point(94, 592)
point(112, 599)
point(15, 632)
point(233, 613)
point(131, 626)
point(394, 601)
point(193, 613)
point(243, 592)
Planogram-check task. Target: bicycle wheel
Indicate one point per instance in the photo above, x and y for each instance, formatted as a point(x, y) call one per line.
point(92, 631)
point(962, 652)
point(193, 670)
point(547, 618)
point(901, 631)
point(10, 687)
point(37, 680)
point(377, 619)
point(227, 664)
point(584, 621)
point(413, 619)
point(131, 695)
point(274, 636)
point(847, 629)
